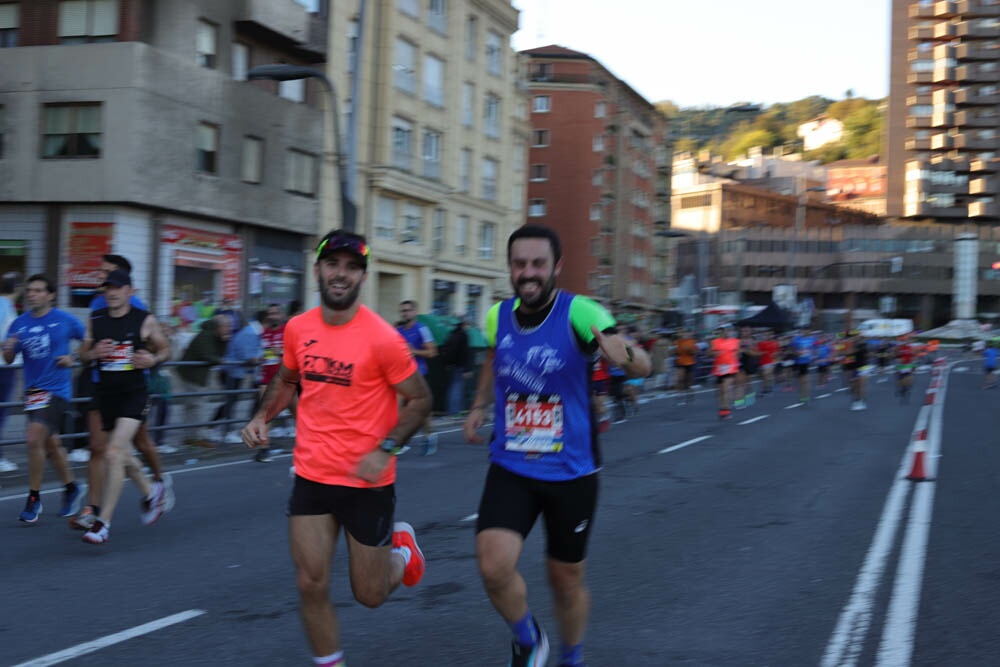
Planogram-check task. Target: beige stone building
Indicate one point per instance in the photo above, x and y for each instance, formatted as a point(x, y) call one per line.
point(439, 146)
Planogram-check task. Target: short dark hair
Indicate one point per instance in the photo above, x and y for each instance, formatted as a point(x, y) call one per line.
point(408, 302)
point(9, 282)
point(294, 306)
point(536, 232)
point(262, 315)
point(119, 261)
point(50, 286)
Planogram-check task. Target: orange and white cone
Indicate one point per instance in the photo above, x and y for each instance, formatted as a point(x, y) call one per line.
point(918, 472)
point(929, 397)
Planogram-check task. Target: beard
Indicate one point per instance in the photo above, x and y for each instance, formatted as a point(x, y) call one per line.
point(542, 297)
point(342, 302)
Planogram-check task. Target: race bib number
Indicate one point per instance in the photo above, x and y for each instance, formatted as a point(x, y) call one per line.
point(37, 399)
point(533, 423)
point(120, 358)
point(727, 369)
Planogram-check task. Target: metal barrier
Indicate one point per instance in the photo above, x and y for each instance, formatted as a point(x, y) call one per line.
point(18, 406)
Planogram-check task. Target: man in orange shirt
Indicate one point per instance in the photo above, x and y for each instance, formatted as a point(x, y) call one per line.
point(685, 358)
point(351, 365)
point(725, 366)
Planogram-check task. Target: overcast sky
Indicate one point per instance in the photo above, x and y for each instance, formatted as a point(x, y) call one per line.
point(718, 52)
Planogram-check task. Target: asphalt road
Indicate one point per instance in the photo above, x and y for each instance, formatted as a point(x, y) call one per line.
point(783, 537)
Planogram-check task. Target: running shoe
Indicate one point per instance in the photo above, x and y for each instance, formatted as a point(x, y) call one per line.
point(32, 509)
point(72, 501)
point(530, 656)
point(263, 456)
point(403, 536)
point(98, 533)
point(725, 414)
point(155, 505)
point(79, 455)
point(6, 465)
point(431, 445)
point(84, 520)
point(169, 499)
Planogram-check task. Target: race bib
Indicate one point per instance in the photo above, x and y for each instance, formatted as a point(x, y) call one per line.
point(533, 423)
point(727, 369)
point(120, 358)
point(37, 399)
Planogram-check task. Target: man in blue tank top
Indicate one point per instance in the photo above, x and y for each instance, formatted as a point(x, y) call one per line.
point(544, 457)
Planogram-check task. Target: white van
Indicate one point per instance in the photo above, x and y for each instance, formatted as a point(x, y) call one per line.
point(885, 328)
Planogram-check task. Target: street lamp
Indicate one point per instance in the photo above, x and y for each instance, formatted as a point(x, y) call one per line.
point(702, 246)
point(286, 72)
point(800, 219)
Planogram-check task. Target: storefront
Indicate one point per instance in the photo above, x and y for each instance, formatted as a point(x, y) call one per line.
point(206, 272)
point(276, 270)
point(444, 292)
point(88, 243)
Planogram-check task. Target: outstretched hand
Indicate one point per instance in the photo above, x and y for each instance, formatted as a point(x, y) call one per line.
point(614, 347)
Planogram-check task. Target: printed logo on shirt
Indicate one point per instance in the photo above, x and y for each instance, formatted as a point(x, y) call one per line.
point(507, 342)
point(325, 369)
point(310, 342)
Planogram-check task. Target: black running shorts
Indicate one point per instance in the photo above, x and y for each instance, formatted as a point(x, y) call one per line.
point(51, 415)
point(514, 502)
point(118, 405)
point(367, 514)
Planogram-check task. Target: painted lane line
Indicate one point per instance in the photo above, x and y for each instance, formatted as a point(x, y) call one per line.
point(471, 517)
point(752, 420)
point(841, 389)
point(794, 405)
point(684, 444)
point(117, 638)
point(824, 396)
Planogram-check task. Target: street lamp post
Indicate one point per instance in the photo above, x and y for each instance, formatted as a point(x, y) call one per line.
point(800, 220)
point(285, 72)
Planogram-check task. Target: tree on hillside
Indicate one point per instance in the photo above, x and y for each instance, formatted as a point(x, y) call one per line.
point(863, 132)
point(738, 144)
point(844, 108)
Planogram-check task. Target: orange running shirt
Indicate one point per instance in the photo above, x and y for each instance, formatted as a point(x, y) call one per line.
point(348, 403)
point(726, 363)
point(687, 351)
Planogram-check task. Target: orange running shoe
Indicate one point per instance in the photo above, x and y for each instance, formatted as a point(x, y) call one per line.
point(403, 536)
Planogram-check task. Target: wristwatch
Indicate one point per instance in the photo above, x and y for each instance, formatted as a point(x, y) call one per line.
point(391, 447)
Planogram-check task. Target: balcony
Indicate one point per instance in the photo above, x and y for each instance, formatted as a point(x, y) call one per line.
point(942, 119)
point(914, 100)
point(918, 122)
point(943, 74)
point(969, 95)
point(945, 9)
point(915, 144)
point(283, 23)
point(975, 74)
point(978, 9)
point(975, 51)
point(944, 31)
point(984, 209)
point(980, 166)
point(972, 119)
point(942, 142)
point(970, 141)
point(919, 78)
point(986, 185)
point(972, 30)
point(919, 10)
point(921, 33)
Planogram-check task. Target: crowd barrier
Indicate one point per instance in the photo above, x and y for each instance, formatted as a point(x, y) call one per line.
point(13, 432)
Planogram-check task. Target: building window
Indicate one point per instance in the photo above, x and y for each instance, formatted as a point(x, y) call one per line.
point(461, 235)
point(465, 170)
point(539, 172)
point(519, 157)
point(438, 230)
point(539, 138)
point(598, 143)
point(598, 177)
point(3, 127)
point(494, 53)
point(82, 21)
point(517, 196)
point(71, 130)
point(468, 104)
point(405, 66)
point(411, 7)
point(207, 43)
point(294, 90)
point(541, 104)
point(490, 168)
point(208, 148)
point(536, 208)
point(10, 20)
point(385, 218)
point(241, 61)
point(600, 110)
point(252, 168)
point(470, 38)
point(541, 72)
point(301, 172)
point(487, 240)
point(412, 222)
point(437, 15)
point(402, 143)
point(432, 154)
point(491, 116)
point(595, 212)
point(434, 80)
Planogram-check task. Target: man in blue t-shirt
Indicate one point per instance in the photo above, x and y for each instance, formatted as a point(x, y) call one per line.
point(42, 335)
point(802, 347)
point(422, 346)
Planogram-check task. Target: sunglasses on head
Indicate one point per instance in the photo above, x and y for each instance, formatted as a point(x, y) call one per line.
point(341, 242)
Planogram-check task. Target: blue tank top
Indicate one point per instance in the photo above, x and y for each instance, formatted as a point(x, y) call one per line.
point(542, 420)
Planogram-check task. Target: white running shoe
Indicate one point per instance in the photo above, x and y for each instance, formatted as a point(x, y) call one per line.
point(6, 465)
point(80, 455)
point(97, 535)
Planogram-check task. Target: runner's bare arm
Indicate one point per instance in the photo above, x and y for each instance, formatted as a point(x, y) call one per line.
point(482, 400)
point(157, 348)
point(279, 393)
point(87, 344)
point(633, 359)
point(417, 405)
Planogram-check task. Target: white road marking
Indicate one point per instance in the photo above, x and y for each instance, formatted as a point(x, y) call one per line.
point(103, 642)
point(794, 405)
point(684, 444)
point(753, 419)
point(471, 517)
point(824, 396)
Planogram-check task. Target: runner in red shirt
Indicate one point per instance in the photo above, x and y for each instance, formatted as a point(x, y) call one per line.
point(725, 365)
point(769, 349)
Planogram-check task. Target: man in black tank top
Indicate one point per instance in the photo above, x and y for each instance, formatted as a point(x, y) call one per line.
point(125, 341)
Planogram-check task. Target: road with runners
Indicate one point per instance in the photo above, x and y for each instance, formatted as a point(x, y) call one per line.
point(785, 536)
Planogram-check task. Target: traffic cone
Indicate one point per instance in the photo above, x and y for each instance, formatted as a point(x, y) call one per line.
point(917, 472)
point(929, 397)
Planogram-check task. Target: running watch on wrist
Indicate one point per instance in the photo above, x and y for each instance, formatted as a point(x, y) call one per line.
point(391, 447)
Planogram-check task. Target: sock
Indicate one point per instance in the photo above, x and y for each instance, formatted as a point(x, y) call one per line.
point(71, 487)
point(571, 655)
point(332, 660)
point(100, 523)
point(404, 552)
point(97, 509)
point(524, 630)
point(34, 493)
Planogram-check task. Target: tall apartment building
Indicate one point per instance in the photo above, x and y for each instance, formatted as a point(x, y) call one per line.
point(129, 127)
point(440, 145)
point(592, 176)
point(943, 140)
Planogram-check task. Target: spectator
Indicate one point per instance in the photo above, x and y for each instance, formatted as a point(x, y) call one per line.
point(10, 289)
point(457, 358)
point(232, 310)
point(294, 308)
point(422, 347)
point(209, 348)
point(272, 338)
point(243, 353)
